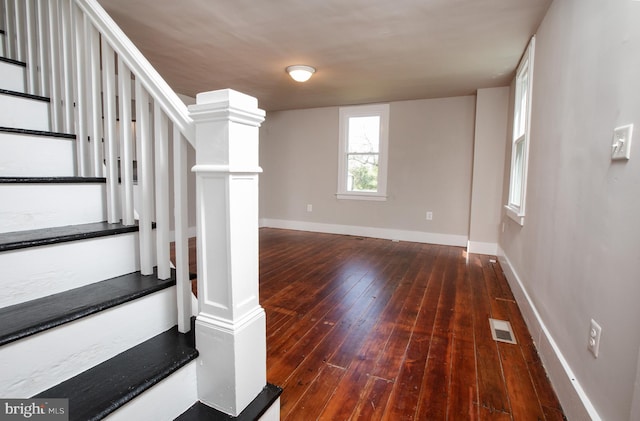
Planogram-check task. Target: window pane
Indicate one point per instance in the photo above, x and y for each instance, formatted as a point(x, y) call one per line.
point(517, 179)
point(522, 92)
point(364, 134)
point(362, 172)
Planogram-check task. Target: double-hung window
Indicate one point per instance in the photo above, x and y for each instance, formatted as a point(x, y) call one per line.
point(363, 138)
point(520, 139)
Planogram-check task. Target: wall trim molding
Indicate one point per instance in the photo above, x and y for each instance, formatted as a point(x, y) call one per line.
point(479, 247)
point(574, 400)
point(374, 232)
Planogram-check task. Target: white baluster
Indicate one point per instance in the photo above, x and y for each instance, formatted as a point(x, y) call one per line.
point(183, 283)
point(21, 43)
point(155, 85)
point(110, 133)
point(67, 59)
point(145, 178)
point(54, 77)
point(43, 43)
point(96, 102)
point(81, 64)
point(3, 15)
point(126, 143)
point(32, 49)
point(9, 28)
point(161, 140)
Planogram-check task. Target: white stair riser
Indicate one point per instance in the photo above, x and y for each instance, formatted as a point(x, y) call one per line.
point(36, 272)
point(40, 361)
point(24, 113)
point(164, 401)
point(12, 77)
point(35, 206)
point(36, 156)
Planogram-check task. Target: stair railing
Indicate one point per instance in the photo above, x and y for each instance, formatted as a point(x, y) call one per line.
point(78, 57)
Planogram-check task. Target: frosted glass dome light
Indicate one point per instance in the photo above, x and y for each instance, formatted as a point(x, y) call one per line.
point(300, 73)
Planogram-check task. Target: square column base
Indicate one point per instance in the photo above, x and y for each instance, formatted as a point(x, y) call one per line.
point(231, 367)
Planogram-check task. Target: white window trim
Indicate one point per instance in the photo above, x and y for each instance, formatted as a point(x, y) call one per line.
point(381, 110)
point(517, 211)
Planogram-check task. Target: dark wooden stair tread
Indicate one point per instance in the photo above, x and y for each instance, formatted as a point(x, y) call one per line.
point(52, 180)
point(104, 388)
point(46, 236)
point(12, 61)
point(23, 95)
point(21, 320)
point(31, 132)
point(257, 408)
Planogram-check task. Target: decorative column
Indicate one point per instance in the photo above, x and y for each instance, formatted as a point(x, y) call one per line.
point(231, 324)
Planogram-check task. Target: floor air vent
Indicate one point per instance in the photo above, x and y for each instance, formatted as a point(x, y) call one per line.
point(501, 331)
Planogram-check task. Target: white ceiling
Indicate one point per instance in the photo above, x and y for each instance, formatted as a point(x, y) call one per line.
point(364, 50)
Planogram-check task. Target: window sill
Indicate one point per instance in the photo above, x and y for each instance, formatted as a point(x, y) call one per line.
point(361, 196)
point(515, 215)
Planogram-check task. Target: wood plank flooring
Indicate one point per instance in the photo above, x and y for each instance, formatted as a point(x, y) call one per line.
point(369, 329)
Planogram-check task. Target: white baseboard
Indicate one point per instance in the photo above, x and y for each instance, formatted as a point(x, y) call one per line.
point(386, 233)
point(575, 402)
point(478, 247)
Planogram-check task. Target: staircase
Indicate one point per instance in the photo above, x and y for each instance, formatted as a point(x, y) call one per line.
point(88, 311)
point(78, 319)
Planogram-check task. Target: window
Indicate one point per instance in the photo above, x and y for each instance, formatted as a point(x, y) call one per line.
point(364, 137)
point(520, 139)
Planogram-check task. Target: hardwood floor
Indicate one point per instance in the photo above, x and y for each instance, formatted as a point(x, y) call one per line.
point(369, 329)
point(361, 328)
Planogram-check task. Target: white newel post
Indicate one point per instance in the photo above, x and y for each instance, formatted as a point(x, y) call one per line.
point(231, 324)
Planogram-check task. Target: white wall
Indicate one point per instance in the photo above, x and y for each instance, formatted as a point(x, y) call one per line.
point(488, 150)
point(578, 255)
point(430, 156)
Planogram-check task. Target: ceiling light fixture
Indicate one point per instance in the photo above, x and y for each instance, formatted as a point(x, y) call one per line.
point(300, 73)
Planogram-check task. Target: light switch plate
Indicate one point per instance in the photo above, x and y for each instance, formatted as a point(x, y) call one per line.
point(621, 144)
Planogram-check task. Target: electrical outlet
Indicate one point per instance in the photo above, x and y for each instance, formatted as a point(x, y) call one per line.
point(429, 216)
point(309, 208)
point(595, 332)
